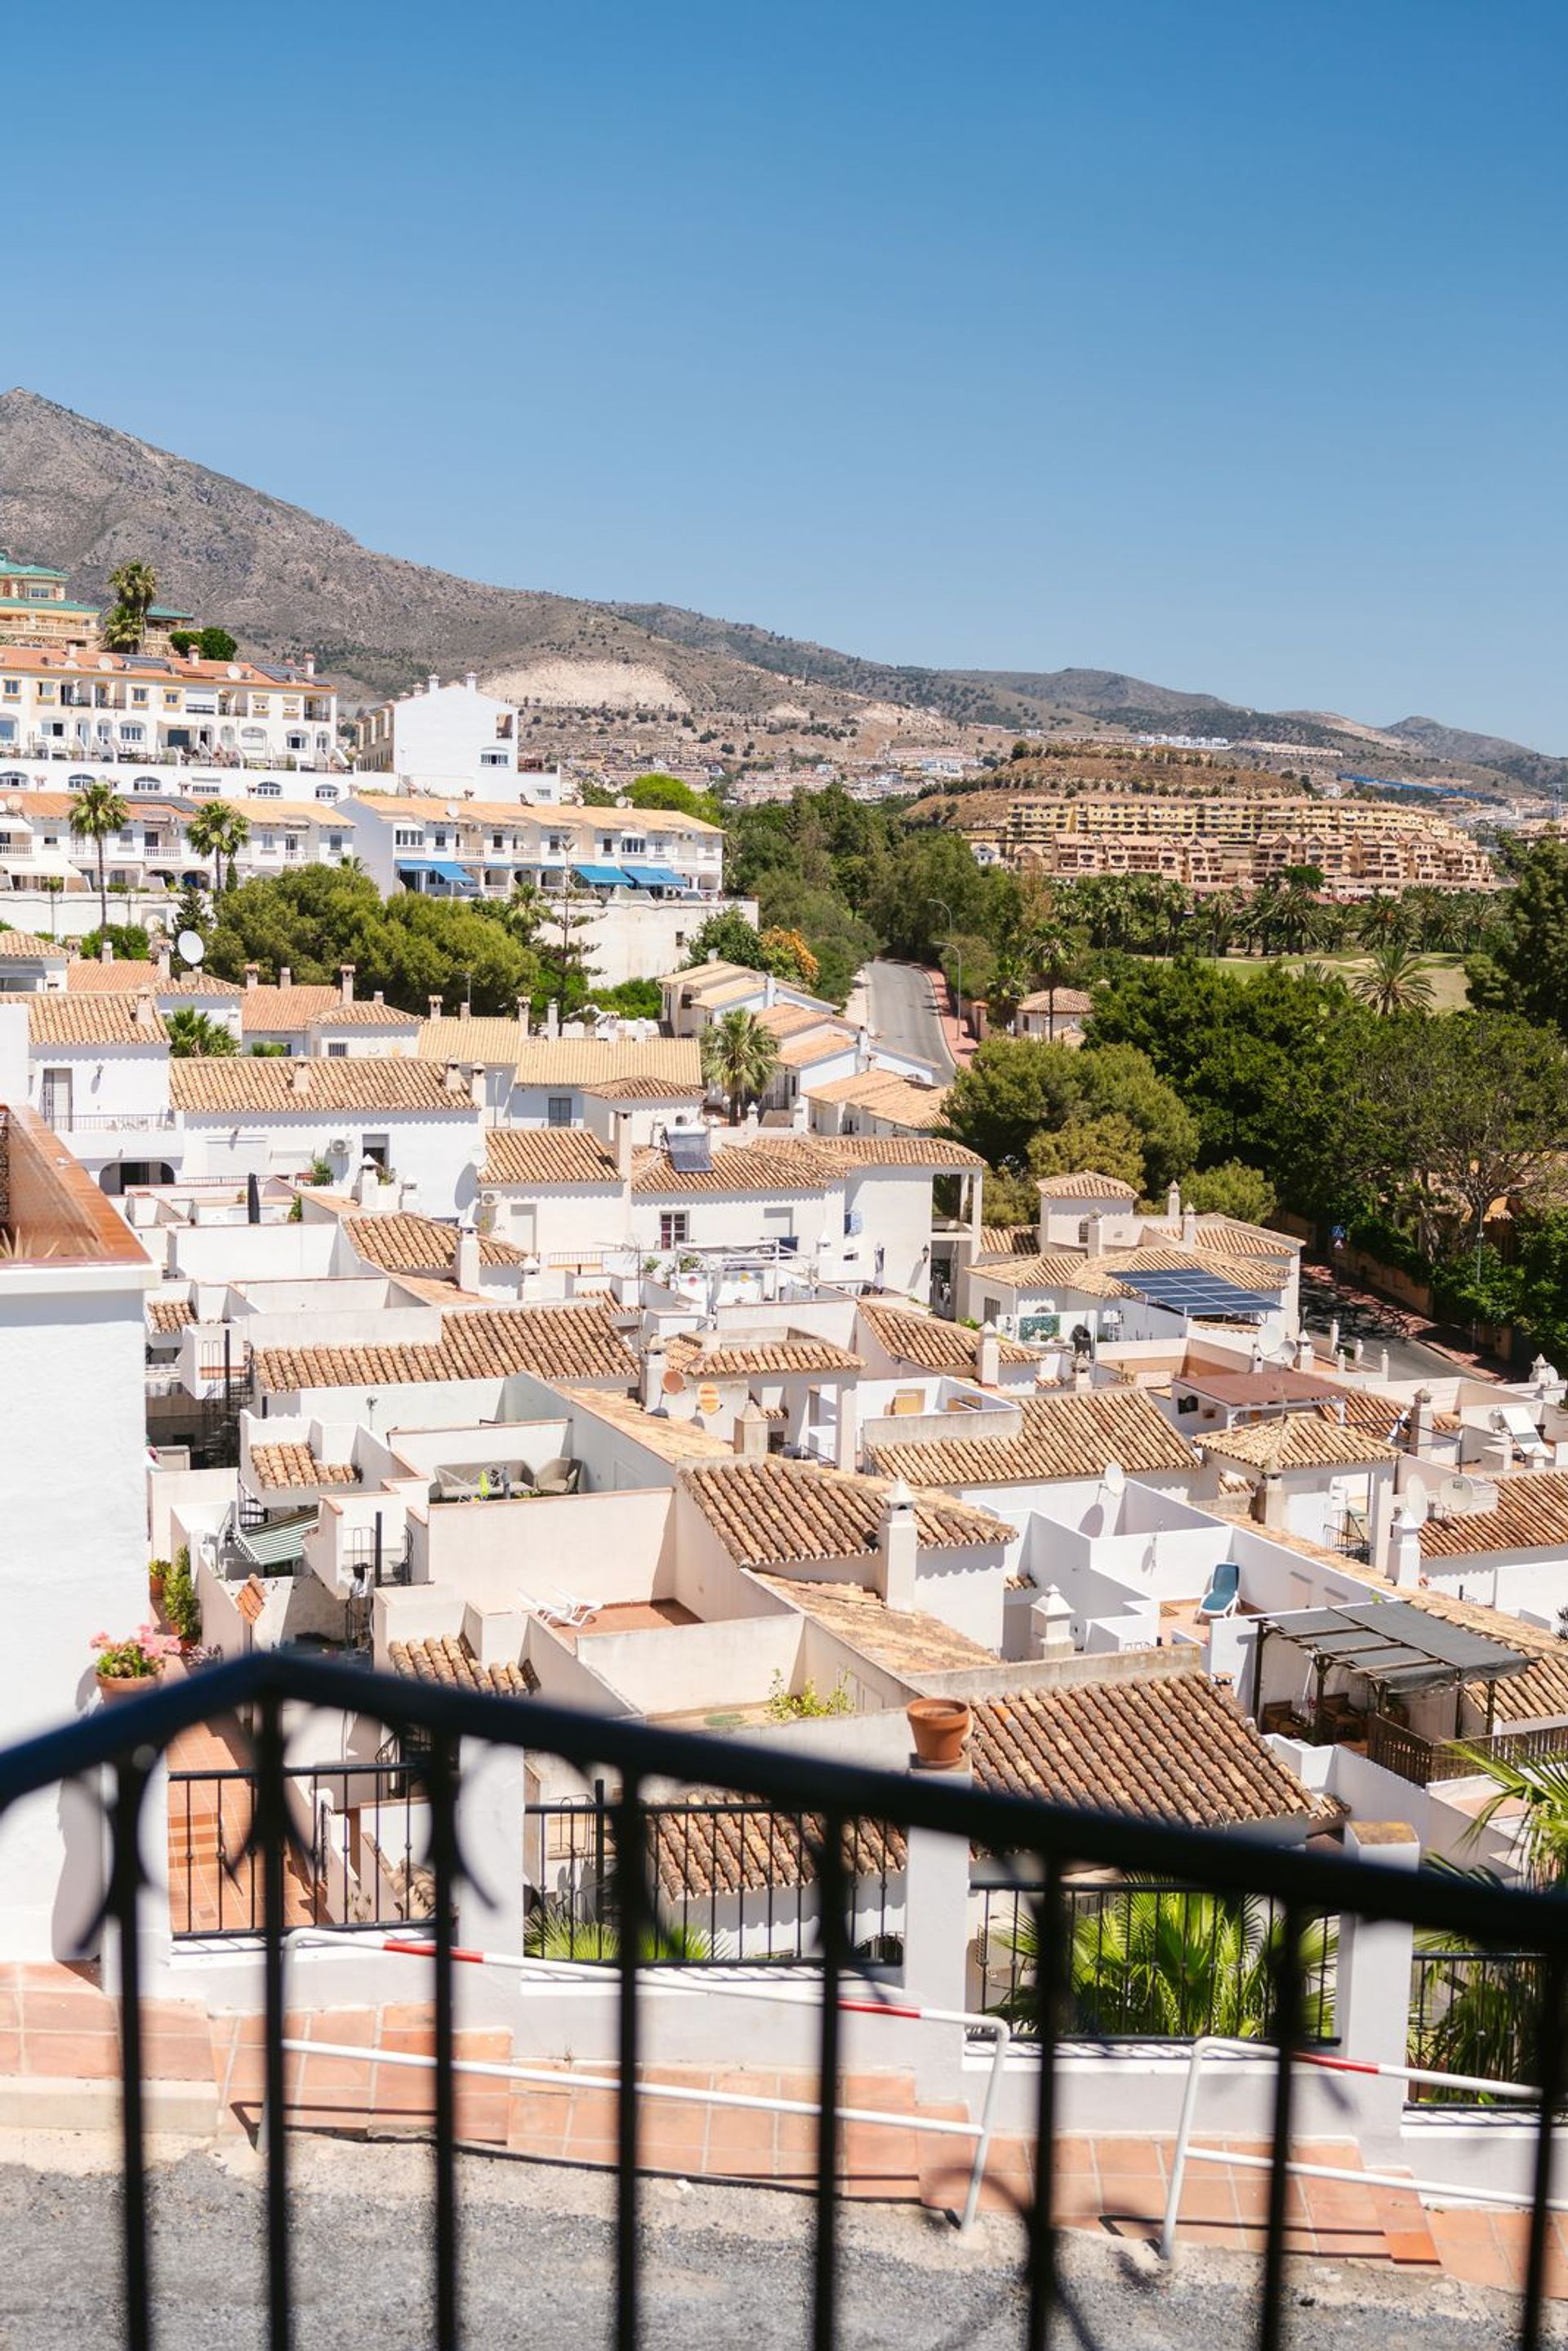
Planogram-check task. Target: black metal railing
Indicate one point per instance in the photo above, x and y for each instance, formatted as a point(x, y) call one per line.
point(1150, 1962)
point(1477, 2013)
point(121, 1745)
point(733, 1883)
point(357, 1857)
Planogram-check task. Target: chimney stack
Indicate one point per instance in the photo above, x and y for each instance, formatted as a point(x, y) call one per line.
point(471, 680)
point(146, 1013)
point(466, 1263)
point(1304, 1358)
point(431, 685)
point(346, 982)
point(847, 1435)
point(164, 956)
point(654, 1360)
point(456, 1084)
point(750, 1438)
point(524, 1015)
point(552, 1020)
point(434, 1002)
point(309, 664)
point(624, 1144)
point(1050, 1624)
point(105, 951)
point(298, 1076)
point(1188, 1227)
point(252, 975)
point(1095, 1235)
point(284, 976)
point(1172, 1203)
point(988, 1357)
point(1422, 1430)
point(898, 1550)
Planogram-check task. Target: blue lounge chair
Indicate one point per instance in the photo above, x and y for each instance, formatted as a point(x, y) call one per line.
point(1223, 1592)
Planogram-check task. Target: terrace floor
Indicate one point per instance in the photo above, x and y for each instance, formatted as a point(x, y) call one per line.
point(634, 1616)
point(213, 1881)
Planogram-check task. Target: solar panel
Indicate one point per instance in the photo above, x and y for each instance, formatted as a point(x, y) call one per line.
point(1190, 1290)
point(691, 1153)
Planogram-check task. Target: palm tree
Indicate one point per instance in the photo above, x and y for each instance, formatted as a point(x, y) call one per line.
point(1540, 1834)
point(1382, 923)
point(551, 1932)
point(196, 1036)
point(219, 831)
point(1053, 954)
point(1167, 1962)
point(1396, 980)
point(740, 1056)
point(135, 584)
point(97, 811)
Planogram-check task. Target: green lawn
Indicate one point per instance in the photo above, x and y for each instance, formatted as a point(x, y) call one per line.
point(1446, 972)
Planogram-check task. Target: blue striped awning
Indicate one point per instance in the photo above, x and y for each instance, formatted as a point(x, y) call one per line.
point(457, 875)
point(657, 877)
point(602, 877)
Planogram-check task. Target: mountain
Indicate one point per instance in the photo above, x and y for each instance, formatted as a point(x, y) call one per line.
point(86, 497)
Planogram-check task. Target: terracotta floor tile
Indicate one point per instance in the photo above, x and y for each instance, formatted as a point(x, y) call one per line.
point(79, 2056)
point(1130, 2196)
point(744, 2129)
point(595, 2114)
point(66, 2011)
point(1132, 2157)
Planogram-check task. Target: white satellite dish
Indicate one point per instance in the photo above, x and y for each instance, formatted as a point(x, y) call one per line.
point(1416, 1501)
point(1455, 1496)
point(1113, 1477)
point(191, 945)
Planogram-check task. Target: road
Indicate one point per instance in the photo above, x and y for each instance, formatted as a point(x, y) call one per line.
point(1365, 1318)
point(904, 1014)
point(723, 2266)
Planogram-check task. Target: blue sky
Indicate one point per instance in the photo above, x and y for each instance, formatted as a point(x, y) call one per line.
point(1221, 343)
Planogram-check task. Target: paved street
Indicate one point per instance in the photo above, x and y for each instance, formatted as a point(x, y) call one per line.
point(1379, 1325)
point(722, 2266)
point(903, 1016)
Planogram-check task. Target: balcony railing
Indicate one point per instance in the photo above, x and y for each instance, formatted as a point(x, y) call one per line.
point(109, 1122)
point(1424, 1762)
point(432, 1723)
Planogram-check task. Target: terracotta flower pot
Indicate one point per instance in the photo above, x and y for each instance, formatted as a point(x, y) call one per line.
point(940, 1728)
point(155, 1590)
point(113, 1687)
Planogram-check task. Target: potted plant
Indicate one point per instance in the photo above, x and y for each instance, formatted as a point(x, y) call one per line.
point(181, 1605)
point(157, 1569)
point(940, 1728)
point(125, 1668)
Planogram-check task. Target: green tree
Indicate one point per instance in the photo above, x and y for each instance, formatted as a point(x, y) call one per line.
point(662, 791)
point(1120, 1081)
point(220, 831)
point(1394, 980)
point(1524, 966)
point(129, 941)
point(1013, 1089)
point(1231, 1190)
point(189, 911)
point(135, 584)
point(97, 812)
point(1474, 1105)
point(217, 644)
point(411, 947)
point(740, 1056)
point(194, 1035)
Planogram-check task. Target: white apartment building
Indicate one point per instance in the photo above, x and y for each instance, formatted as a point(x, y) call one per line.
point(450, 738)
point(73, 1285)
point(72, 705)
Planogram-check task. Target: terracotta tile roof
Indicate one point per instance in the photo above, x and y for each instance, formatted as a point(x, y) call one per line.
point(366, 1015)
point(170, 1315)
point(453, 1664)
point(769, 1513)
point(56, 1018)
point(193, 983)
point(121, 977)
point(1297, 1440)
point(782, 1020)
point(1056, 1269)
point(932, 1150)
point(1061, 1436)
point(903, 1641)
point(1272, 1383)
point(1531, 1514)
point(555, 1343)
point(298, 1088)
point(296, 1465)
point(1086, 1183)
point(271, 1011)
point(590, 1060)
point(770, 1166)
point(1009, 1241)
point(645, 1087)
point(885, 1094)
point(731, 1850)
point(1071, 1000)
point(1538, 1695)
point(699, 1357)
point(547, 1154)
point(25, 946)
point(1169, 1749)
point(932, 1344)
point(822, 1044)
point(1231, 1238)
point(408, 1244)
point(252, 1599)
point(473, 1039)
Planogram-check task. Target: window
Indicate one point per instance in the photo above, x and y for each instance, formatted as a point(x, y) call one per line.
point(403, 838)
point(131, 731)
point(139, 698)
point(675, 1228)
point(559, 1109)
point(334, 844)
point(338, 1052)
point(13, 685)
point(299, 743)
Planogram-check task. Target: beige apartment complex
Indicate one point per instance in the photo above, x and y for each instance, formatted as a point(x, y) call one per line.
point(1223, 842)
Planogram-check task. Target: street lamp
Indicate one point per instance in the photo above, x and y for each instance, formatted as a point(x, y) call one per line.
point(957, 964)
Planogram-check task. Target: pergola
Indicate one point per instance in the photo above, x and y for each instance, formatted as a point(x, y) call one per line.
point(1401, 1649)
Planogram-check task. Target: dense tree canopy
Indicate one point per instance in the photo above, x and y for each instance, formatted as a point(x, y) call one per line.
point(411, 947)
point(1525, 966)
point(1031, 1108)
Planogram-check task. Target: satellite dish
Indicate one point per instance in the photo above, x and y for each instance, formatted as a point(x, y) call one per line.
point(1455, 1496)
point(673, 1382)
point(191, 945)
point(1113, 1477)
point(1416, 1501)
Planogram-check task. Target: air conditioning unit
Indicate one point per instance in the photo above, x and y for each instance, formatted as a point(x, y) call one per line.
point(340, 1144)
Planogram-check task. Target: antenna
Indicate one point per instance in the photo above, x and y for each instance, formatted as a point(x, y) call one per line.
point(192, 947)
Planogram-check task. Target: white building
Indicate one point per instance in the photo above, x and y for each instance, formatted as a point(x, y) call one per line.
point(73, 1281)
point(73, 705)
point(450, 738)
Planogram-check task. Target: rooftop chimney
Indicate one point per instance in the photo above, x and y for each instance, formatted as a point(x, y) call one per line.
point(309, 664)
point(253, 975)
point(1094, 1233)
point(146, 1013)
point(284, 976)
point(750, 1438)
point(466, 1263)
point(454, 1079)
point(105, 951)
point(1050, 1624)
point(988, 1357)
point(898, 1548)
point(471, 680)
point(435, 1003)
point(523, 1011)
point(1172, 1203)
point(298, 1076)
point(164, 956)
point(847, 1433)
point(346, 982)
point(653, 1361)
point(623, 1143)
point(431, 685)
point(552, 1020)
point(1188, 1228)
point(1422, 1430)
